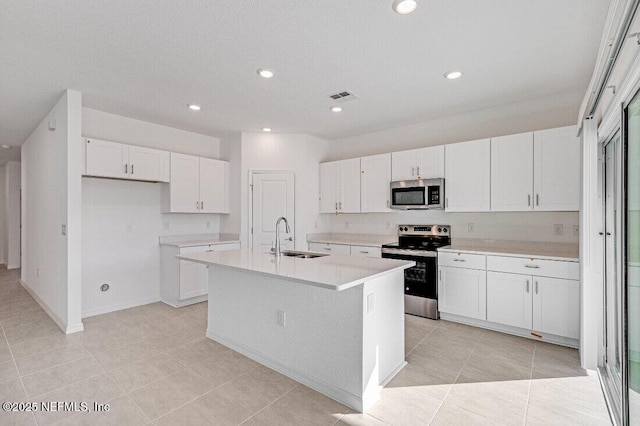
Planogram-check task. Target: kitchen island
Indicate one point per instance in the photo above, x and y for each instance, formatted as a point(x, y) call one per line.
point(333, 323)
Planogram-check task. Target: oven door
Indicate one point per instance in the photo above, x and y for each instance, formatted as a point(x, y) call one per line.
point(419, 280)
point(408, 198)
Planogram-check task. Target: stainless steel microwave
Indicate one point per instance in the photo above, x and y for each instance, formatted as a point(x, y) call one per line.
point(417, 194)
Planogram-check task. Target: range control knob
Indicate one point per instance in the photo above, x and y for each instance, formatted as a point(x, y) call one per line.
point(439, 229)
point(406, 229)
point(444, 230)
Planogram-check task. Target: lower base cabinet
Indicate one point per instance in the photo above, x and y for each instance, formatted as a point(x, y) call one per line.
point(509, 299)
point(365, 251)
point(556, 306)
point(462, 291)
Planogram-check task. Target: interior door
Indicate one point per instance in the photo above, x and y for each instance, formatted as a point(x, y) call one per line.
point(273, 196)
point(185, 186)
point(213, 186)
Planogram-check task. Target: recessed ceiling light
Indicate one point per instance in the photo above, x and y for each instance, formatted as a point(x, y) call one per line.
point(336, 108)
point(266, 129)
point(6, 146)
point(265, 73)
point(194, 107)
point(404, 7)
point(452, 75)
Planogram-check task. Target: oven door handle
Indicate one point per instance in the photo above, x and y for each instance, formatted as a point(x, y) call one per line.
point(409, 253)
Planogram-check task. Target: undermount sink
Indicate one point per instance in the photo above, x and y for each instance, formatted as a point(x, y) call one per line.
point(302, 254)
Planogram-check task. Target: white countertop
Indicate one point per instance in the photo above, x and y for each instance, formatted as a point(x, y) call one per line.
point(334, 272)
point(198, 240)
point(352, 239)
point(540, 250)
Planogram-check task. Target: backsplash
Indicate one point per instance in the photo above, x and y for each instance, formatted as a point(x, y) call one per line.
point(527, 226)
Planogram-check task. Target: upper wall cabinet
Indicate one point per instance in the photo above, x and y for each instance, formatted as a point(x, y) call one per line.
point(340, 186)
point(556, 170)
point(468, 176)
point(121, 161)
point(536, 171)
point(423, 163)
point(375, 179)
point(198, 185)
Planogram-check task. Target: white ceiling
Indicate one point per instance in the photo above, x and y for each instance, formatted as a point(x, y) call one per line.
point(147, 60)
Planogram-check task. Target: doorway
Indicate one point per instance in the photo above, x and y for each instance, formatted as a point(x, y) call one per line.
point(272, 196)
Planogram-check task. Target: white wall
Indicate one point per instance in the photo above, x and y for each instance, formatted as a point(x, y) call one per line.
point(231, 151)
point(122, 220)
point(50, 198)
point(295, 152)
point(2, 215)
point(11, 215)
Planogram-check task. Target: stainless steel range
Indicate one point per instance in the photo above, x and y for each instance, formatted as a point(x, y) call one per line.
point(419, 243)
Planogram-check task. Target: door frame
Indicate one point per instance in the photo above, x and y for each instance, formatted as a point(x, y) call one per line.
point(252, 173)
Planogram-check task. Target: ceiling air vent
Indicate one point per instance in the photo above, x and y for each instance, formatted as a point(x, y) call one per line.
point(343, 96)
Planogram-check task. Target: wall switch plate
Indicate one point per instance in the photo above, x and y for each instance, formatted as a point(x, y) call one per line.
point(558, 229)
point(64, 229)
point(166, 226)
point(370, 302)
point(282, 318)
point(576, 230)
point(471, 227)
point(129, 227)
point(208, 224)
point(52, 125)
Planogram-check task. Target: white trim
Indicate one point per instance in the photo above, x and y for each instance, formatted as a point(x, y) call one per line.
point(611, 118)
point(113, 308)
point(360, 404)
point(186, 302)
point(67, 329)
point(516, 331)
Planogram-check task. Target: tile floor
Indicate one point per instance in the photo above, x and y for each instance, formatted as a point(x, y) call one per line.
point(152, 365)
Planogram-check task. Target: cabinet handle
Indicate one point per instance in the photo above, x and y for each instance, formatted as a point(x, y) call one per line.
point(388, 203)
point(418, 171)
point(413, 171)
point(126, 169)
point(336, 205)
point(527, 286)
point(532, 266)
point(529, 200)
point(537, 199)
point(459, 260)
point(447, 202)
point(440, 275)
point(364, 252)
point(132, 168)
point(327, 248)
point(197, 205)
point(201, 205)
point(536, 287)
point(340, 205)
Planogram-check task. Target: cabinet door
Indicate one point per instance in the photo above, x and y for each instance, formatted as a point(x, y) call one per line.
point(329, 176)
point(509, 299)
point(148, 164)
point(184, 186)
point(107, 159)
point(349, 201)
point(330, 248)
point(430, 162)
point(462, 292)
point(404, 165)
point(556, 306)
point(468, 176)
point(512, 173)
point(556, 173)
point(214, 177)
point(366, 251)
point(375, 178)
point(193, 279)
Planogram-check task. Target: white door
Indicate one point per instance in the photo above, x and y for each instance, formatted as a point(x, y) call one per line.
point(556, 174)
point(512, 173)
point(213, 186)
point(148, 164)
point(403, 165)
point(468, 176)
point(273, 197)
point(329, 180)
point(375, 178)
point(184, 187)
point(430, 162)
point(509, 299)
point(556, 306)
point(349, 201)
point(107, 159)
point(193, 279)
point(462, 292)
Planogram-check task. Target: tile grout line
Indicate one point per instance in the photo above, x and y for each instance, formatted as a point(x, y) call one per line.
point(533, 361)
point(276, 400)
point(18, 371)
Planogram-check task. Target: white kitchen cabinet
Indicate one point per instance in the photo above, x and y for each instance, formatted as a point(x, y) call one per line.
point(556, 174)
point(366, 251)
point(512, 172)
point(468, 176)
point(330, 248)
point(375, 180)
point(423, 163)
point(463, 292)
point(556, 306)
point(122, 161)
point(198, 185)
point(340, 186)
point(184, 282)
point(509, 299)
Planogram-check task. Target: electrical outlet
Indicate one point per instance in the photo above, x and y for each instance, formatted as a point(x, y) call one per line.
point(558, 229)
point(388, 225)
point(129, 227)
point(166, 226)
point(346, 224)
point(576, 230)
point(471, 227)
point(370, 302)
point(208, 224)
point(282, 318)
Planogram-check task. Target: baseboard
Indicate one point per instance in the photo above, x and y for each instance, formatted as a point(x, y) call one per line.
point(343, 397)
point(119, 307)
point(67, 329)
point(186, 302)
point(520, 332)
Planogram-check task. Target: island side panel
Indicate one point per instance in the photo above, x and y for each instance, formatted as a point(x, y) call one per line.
point(320, 344)
point(383, 333)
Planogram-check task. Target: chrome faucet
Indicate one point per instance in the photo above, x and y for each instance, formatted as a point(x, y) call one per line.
point(287, 229)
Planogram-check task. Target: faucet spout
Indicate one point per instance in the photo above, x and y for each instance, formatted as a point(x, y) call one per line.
point(278, 252)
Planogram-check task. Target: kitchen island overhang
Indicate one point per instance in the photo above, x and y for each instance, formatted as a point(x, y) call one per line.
point(333, 323)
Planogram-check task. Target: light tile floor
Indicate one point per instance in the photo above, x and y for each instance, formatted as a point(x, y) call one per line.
point(153, 365)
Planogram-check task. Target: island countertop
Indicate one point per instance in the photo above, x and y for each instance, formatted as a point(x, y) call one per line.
point(334, 272)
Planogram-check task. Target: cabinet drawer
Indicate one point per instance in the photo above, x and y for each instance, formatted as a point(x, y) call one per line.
point(462, 260)
point(330, 248)
point(535, 267)
point(209, 247)
point(366, 251)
